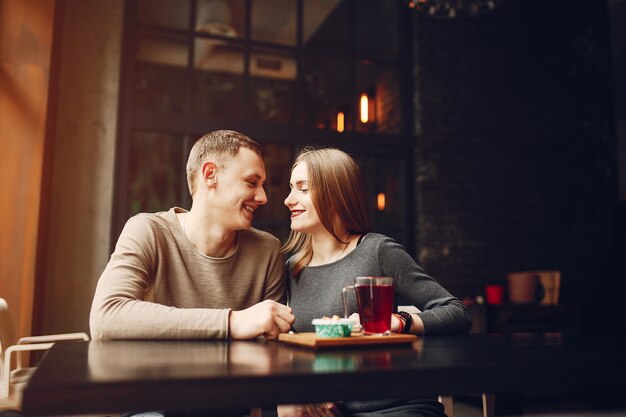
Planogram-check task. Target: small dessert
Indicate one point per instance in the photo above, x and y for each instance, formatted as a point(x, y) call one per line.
point(333, 326)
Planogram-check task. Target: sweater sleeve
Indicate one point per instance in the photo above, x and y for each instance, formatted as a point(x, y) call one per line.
point(440, 311)
point(120, 310)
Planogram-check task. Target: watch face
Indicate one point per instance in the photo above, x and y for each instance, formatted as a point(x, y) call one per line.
point(454, 8)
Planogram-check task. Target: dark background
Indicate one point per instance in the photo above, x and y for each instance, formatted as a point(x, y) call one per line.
point(517, 156)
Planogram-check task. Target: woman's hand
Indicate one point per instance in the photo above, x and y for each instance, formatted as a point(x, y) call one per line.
point(309, 410)
point(417, 327)
point(395, 324)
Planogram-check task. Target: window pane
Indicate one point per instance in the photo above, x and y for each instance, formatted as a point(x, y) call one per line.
point(327, 91)
point(272, 87)
point(218, 85)
point(327, 25)
point(380, 83)
point(219, 56)
point(221, 17)
point(159, 88)
point(167, 13)
point(161, 50)
point(160, 77)
point(274, 21)
point(377, 28)
point(219, 96)
point(274, 216)
point(156, 172)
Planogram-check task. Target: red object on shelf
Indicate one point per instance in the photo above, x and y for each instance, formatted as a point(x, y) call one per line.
point(494, 294)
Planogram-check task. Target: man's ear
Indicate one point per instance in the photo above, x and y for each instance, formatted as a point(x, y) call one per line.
point(209, 173)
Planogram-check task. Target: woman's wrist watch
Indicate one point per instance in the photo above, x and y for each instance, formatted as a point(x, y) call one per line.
point(408, 321)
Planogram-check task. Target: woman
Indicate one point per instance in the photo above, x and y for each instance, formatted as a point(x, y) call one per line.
point(330, 244)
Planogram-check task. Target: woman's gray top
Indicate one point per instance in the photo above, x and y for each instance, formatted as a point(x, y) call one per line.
point(317, 291)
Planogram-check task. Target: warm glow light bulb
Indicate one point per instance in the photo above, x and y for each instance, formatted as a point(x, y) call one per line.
point(364, 108)
point(340, 122)
point(380, 201)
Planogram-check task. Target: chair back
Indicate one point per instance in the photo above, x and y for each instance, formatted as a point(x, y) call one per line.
point(7, 332)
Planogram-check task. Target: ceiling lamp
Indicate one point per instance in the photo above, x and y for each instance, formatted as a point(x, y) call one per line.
point(454, 8)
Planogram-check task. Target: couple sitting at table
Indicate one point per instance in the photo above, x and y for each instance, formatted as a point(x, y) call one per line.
point(206, 273)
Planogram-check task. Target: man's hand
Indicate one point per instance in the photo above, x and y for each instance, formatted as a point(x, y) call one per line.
point(267, 318)
point(309, 410)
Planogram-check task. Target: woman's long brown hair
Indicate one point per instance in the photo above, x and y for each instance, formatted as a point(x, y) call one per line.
point(337, 193)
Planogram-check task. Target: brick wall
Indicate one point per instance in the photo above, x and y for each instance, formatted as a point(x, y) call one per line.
point(515, 156)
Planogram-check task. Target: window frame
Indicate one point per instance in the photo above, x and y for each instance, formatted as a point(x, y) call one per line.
point(189, 126)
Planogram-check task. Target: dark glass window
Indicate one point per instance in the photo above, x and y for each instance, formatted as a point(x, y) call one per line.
point(218, 83)
point(171, 14)
point(328, 90)
point(225, 18)
point(156, 172)
point(275, 21)
point(217, 95)
point(288, 73)
point(160, 77)
point(272, 87)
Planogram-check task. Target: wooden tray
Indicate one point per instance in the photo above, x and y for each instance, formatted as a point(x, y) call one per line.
point(313, 341)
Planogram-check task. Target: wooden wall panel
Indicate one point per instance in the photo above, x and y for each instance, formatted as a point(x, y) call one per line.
point(25, 50)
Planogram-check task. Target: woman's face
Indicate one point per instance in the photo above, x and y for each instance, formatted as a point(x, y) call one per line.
point(304, 217)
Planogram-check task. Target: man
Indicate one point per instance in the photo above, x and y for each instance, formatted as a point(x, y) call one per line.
point(204, 273)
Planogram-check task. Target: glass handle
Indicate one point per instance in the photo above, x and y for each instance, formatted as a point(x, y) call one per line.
point(344, 296)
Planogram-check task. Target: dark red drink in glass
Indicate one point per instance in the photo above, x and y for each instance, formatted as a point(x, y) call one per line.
point(374, 296)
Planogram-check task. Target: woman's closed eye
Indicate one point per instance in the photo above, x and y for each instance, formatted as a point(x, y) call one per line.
point(303, 190)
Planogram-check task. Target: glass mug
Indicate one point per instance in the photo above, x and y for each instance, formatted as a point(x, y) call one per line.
point(374, 298)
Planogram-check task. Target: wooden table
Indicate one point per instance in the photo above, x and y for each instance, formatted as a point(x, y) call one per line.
point(220, 376)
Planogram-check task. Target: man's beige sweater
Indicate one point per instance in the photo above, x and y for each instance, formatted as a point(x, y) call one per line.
point(157, 285)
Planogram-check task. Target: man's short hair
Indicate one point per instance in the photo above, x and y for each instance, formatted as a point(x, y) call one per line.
point(218, 146)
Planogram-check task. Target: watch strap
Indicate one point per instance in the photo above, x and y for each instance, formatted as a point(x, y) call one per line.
point(408, 321)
